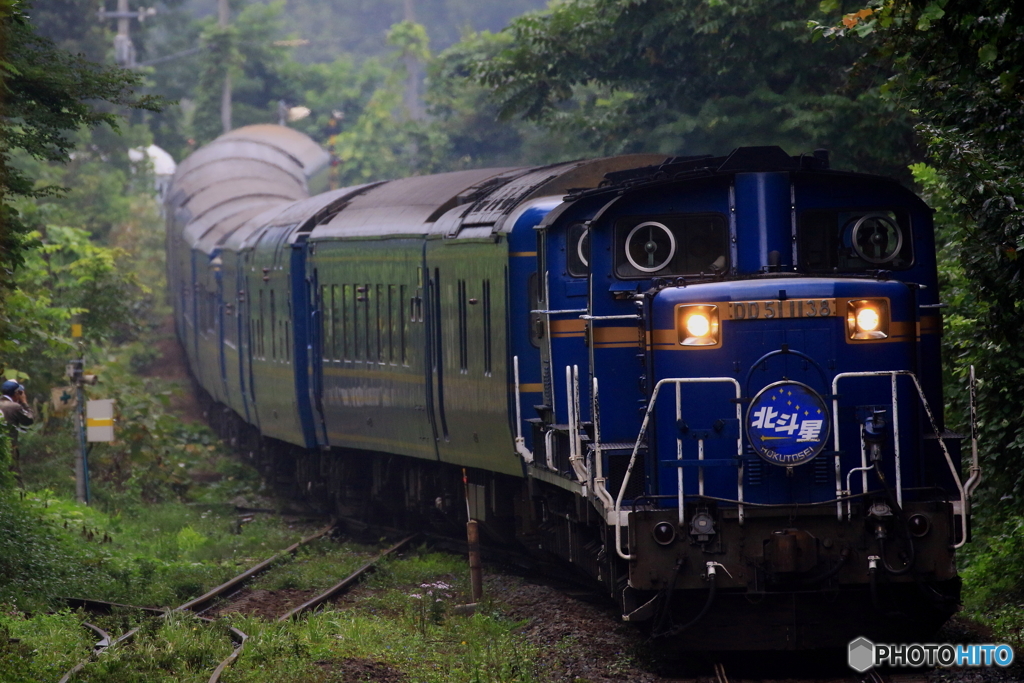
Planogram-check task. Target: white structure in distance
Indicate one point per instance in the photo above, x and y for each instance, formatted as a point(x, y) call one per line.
point(163, 167)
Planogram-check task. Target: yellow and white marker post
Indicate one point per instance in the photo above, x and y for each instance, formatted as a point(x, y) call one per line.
point(99, 420)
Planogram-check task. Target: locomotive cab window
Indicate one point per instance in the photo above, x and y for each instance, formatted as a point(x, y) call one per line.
point(577, 250)
point(658, 246)
point(854, 241)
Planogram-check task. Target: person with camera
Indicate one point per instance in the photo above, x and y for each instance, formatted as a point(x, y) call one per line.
point(17, 413)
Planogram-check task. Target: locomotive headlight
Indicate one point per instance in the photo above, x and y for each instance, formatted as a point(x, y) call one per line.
point(697, 325)
point(867, 319)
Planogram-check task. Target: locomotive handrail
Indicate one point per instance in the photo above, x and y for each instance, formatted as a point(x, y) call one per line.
point(525, 453)
point(678, 381)
point(556, 312)
point(630, 316)
point(975, 478)
point(600, 487)
point(572, 391)
point(892, 374)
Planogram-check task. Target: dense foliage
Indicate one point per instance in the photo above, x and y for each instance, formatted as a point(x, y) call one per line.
point(356, 27)
point(47, 94)
point(690, 77)
point(957, 65)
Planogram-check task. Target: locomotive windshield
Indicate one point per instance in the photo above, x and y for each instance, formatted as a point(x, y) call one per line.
point(856, 241)
point(577, 250)
point(649, 246)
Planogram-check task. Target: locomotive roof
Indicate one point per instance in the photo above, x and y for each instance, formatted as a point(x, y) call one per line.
point(741, 160)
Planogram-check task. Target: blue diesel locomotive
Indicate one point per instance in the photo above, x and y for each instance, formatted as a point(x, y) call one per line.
point(712, 384)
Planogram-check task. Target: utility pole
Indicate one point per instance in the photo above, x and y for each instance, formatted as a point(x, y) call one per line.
point(124, 49)
point(225, 98)
point(82, 461)
point(76, 373)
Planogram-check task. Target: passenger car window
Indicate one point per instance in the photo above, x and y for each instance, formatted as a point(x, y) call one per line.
point(855, 241)
point(688, 244)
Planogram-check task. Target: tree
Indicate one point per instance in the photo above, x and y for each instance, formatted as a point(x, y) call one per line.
point(46, 94)
point(72, 26)
point(688, 77)
point(958, 65)
point(469, 116)
point(68, 274)
point(358, 28)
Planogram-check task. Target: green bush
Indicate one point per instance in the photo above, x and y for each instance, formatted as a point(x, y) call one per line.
point(6, 476)
point(39, 563)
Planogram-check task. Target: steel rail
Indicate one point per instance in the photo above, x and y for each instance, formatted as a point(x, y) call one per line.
point(204, 601)
point(313, 603)
point(102, 644)
point(102, 606)
point(239, 639)
point(345, 583)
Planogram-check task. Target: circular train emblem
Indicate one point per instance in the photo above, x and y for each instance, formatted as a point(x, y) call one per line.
point(788, 424)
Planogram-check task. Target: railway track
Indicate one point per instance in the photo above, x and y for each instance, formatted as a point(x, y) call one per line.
point(227, 595)
point(311, 604)
point(204, 603)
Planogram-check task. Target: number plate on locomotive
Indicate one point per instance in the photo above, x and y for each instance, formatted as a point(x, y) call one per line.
point(790, 308)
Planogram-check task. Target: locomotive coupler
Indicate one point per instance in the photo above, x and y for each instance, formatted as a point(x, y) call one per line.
point(880, 516)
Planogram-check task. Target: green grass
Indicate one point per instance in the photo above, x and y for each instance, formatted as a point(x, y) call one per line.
point(993, 575)
point(403, 621)
point(49, 645)
point(179, 647)
point(316, 566)
point(455, 650)
point(159, 555)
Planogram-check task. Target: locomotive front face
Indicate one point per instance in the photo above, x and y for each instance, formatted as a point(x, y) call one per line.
point(791, 443)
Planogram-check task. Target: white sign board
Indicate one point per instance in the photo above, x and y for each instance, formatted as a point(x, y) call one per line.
point(99, 420)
